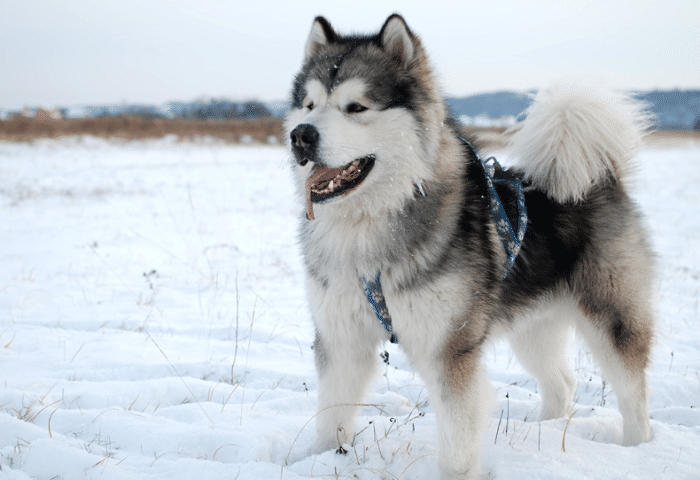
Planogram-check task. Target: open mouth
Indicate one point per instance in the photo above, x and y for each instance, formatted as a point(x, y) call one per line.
point(323, 183)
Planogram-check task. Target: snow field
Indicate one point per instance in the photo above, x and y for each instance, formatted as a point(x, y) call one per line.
point(153, 325)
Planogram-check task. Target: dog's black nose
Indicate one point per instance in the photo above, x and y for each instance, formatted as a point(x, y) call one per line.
point(304, 143)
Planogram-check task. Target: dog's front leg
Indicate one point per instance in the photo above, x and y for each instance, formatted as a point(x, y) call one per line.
point(461, 396)
point(345, 367)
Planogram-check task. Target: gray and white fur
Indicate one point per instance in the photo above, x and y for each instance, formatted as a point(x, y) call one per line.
point(371, 102)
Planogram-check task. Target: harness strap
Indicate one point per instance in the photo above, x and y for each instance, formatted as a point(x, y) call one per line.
point(512, 240)
point(375, 296)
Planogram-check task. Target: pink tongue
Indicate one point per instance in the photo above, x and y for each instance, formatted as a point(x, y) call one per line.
point(317, 180)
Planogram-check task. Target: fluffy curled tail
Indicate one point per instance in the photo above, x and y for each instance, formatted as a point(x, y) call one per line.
point(574, 138)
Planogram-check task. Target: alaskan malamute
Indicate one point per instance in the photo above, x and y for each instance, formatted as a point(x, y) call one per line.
point(400, 242)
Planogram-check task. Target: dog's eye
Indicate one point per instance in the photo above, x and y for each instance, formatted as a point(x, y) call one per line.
point(355, 107)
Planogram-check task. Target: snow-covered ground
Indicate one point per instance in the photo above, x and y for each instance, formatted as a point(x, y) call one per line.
point(153, 325)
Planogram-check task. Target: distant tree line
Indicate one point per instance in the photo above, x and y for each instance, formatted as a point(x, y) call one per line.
point(674, 109)
point(197, 110)
point(221, 109)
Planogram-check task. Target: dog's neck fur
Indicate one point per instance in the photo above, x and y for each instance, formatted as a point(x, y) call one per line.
point(398, 232)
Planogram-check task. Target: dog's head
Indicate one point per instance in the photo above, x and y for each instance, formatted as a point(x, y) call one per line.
point(363, 113)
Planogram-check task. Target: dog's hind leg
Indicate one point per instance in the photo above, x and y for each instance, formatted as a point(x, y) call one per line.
point(620, 342)
point(541, 348)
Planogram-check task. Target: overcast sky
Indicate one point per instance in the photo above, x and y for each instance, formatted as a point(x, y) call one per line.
point(74, 52)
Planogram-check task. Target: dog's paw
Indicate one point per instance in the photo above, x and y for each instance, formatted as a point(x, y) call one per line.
point(324, 445)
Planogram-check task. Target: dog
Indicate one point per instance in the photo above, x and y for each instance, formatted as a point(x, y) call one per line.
point(400, 241)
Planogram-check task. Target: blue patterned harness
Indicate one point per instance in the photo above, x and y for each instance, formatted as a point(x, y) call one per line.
point(512, 240)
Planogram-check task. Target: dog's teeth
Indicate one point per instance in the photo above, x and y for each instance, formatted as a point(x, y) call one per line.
point(331, 186)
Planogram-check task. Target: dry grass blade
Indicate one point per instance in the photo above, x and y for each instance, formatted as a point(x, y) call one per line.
point(566, 427)
point(182, 380)
point(222, 446)
point(50, 434)
point(498, 428)
point(11, 340)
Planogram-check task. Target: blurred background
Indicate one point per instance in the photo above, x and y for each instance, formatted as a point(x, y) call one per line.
point(234, 60)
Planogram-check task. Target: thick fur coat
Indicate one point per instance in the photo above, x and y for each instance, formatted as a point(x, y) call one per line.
point(389, 188)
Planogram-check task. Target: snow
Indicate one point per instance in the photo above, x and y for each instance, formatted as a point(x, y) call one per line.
point(153, 325)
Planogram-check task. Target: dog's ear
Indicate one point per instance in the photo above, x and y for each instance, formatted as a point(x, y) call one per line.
point(398, 40)
point(322, 34)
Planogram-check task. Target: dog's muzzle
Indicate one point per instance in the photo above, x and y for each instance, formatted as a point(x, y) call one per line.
point(325, 183)
point(305, 143)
